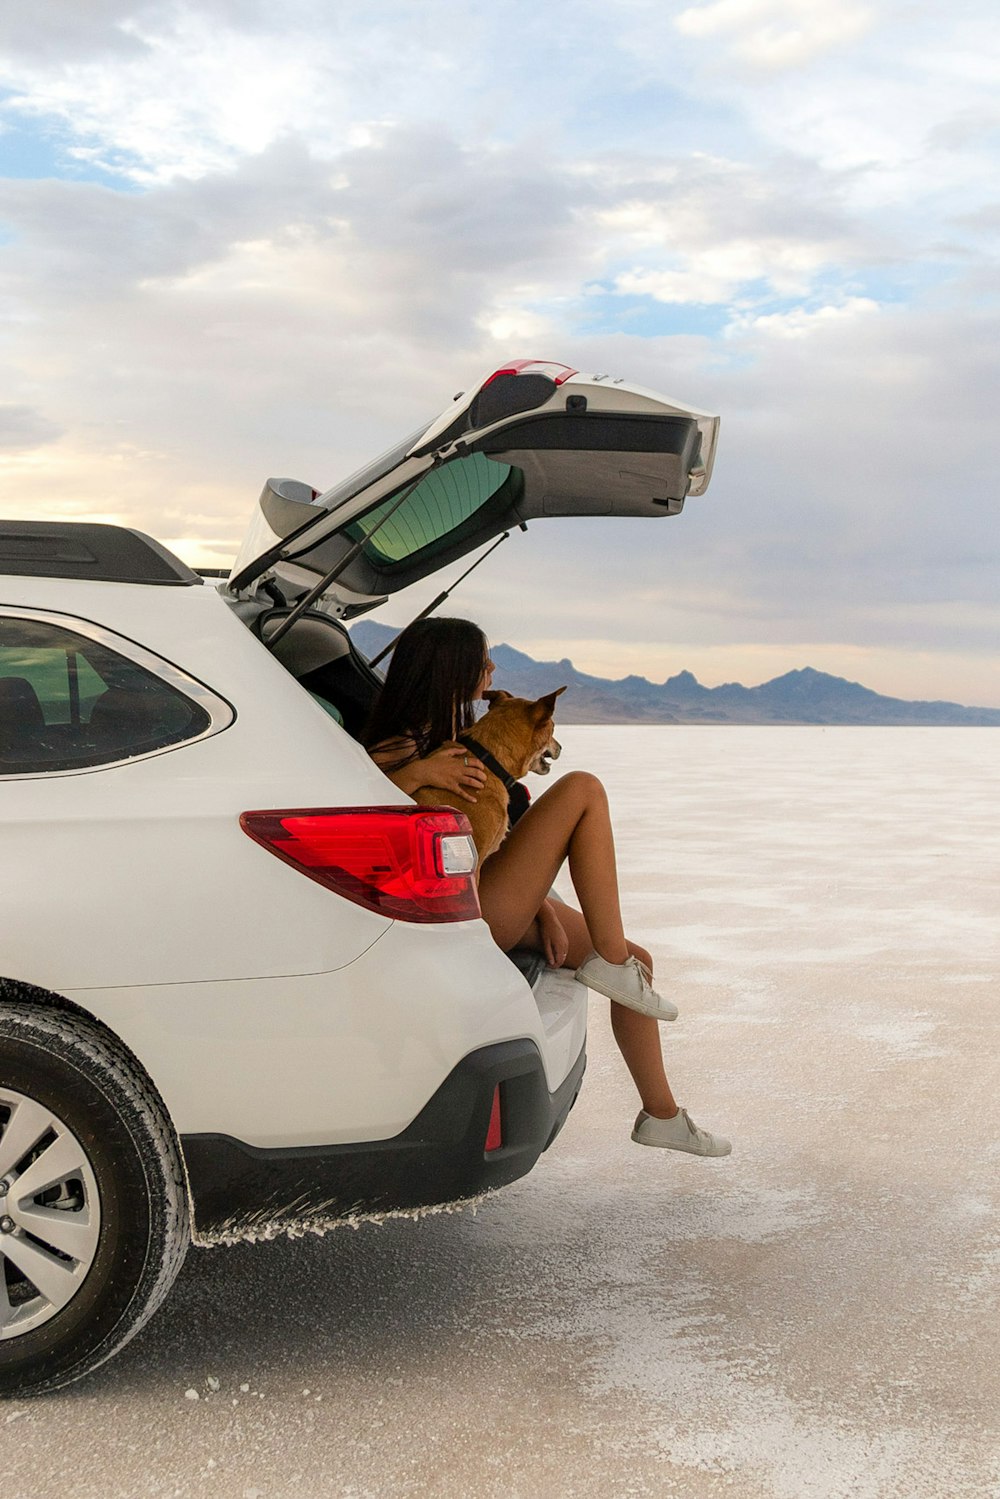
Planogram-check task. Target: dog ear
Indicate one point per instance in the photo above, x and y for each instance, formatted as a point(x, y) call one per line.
point(547, 704)
point(496, 695)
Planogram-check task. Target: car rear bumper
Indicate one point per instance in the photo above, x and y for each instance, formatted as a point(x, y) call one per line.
point(240, 1190)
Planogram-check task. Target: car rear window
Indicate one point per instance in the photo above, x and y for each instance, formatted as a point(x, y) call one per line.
point(443, 500)
point(68, 701)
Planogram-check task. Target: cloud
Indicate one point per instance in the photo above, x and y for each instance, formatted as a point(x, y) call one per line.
point(291, 315)
point(68, 234)
point(176, 91)
point(722, 271)
point(186, 89)
point(711, 230)
point(800, 322)
point(777, 33)
point(45, 34)
point(23, 428)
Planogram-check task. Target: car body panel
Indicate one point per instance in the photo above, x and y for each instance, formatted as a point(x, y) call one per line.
point(161, 836)
point(244, 1191)
point(331, 1058)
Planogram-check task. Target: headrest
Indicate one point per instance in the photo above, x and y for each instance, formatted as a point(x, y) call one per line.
point(19, 706)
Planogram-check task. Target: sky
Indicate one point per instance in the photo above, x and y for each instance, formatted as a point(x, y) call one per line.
point(240, 240)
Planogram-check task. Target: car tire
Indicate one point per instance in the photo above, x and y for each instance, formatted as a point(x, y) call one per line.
point(92, 1239)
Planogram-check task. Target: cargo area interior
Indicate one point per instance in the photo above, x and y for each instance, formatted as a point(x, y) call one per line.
point(320, 654)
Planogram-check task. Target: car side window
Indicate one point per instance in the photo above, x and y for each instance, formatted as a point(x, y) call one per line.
point(68, 701)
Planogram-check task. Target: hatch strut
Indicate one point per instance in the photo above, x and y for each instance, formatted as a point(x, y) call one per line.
point(319, 588)
point(442, 596)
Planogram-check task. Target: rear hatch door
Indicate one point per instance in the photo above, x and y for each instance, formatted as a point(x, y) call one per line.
point(531, 440)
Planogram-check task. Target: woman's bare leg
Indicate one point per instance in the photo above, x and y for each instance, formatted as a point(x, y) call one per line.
point(638, 1040)
point(569, 821)
point(637, 1036)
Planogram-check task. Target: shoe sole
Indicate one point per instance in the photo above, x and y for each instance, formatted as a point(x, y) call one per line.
point(706, 1155)
point(630, 1004)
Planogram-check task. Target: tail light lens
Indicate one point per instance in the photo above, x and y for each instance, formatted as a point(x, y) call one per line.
point(411, 863)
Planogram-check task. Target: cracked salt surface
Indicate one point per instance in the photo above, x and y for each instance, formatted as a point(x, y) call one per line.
point(721, 1409)
point(902, 1034)
point(814, 1316)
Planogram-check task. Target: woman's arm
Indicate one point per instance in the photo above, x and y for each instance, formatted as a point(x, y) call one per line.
point(450, 768)
point(555, 942)
point(389, 753)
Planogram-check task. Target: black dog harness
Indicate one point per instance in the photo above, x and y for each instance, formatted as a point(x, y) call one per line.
point(490, 761)
point(518, 795)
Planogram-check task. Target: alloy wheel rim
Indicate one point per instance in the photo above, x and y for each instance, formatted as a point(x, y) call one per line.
point(50, 1214)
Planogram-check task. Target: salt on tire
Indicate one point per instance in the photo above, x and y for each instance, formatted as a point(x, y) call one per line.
point(130, 1184)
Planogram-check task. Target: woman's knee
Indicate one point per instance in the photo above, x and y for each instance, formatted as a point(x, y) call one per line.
point(583, 786)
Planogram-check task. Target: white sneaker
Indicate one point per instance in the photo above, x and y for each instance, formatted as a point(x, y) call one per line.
point(678, 1133)
point(630, 983)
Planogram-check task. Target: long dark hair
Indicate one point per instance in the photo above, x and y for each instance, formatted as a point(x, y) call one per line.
point(430, 686)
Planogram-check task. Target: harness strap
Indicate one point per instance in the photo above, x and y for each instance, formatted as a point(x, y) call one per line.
point(490, 761)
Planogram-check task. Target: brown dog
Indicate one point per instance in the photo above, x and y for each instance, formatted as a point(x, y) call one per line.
point(517, 735)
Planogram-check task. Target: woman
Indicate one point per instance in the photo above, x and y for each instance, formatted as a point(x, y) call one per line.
point(439, 669)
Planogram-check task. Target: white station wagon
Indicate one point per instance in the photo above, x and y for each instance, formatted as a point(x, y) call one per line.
point(244, 981)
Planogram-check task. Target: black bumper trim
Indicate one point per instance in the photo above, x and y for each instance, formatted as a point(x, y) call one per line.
point(438, 1158)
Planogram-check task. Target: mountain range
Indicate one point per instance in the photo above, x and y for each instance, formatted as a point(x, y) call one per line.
point(805, 696)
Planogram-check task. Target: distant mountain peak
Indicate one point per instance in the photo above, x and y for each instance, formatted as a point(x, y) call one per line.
point(507, 652)
point(809, 674)
point(684, 684)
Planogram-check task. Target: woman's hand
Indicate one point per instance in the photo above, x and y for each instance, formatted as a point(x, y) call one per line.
point(451, 768)
point(555, 943)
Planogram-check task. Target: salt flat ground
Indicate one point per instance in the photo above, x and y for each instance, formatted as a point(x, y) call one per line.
point(815, 1316)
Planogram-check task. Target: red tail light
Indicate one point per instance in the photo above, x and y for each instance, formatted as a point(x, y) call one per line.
point(494, 1134)
point(414, 863)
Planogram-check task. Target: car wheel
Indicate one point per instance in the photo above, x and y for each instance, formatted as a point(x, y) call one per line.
point(94, 1220)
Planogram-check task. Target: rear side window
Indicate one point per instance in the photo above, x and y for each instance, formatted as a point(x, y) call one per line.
point(443, 500)
point(68, 701)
